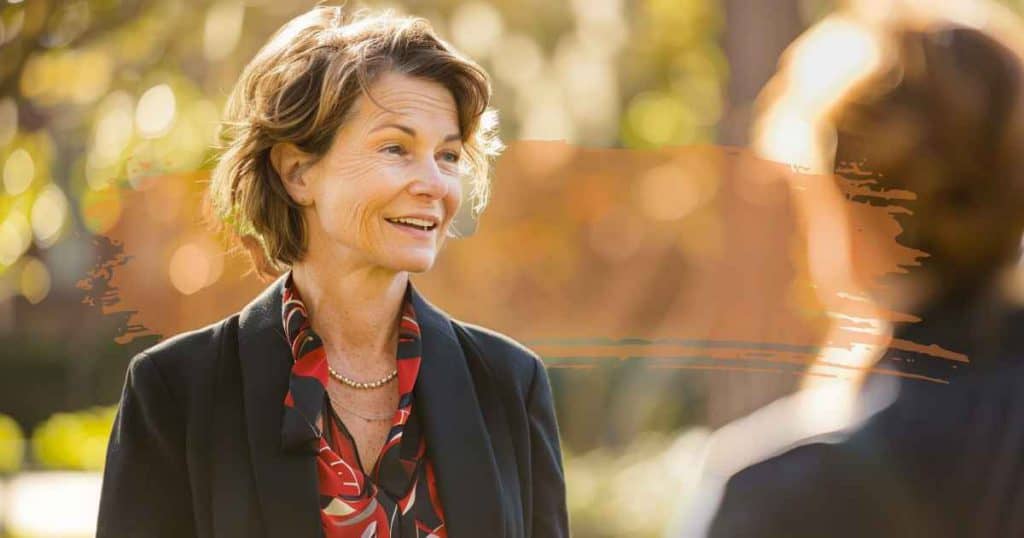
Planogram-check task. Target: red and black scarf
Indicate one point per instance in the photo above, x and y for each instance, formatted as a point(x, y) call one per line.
point(399, 498)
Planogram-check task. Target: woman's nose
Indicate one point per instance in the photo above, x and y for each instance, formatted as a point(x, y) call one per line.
point(430, 182)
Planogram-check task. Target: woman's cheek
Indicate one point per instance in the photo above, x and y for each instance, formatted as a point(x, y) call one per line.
point(454, 198)
point(362, 225)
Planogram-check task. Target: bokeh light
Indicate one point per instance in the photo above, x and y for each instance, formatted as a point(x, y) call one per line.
point(543, 115)
point(12, 445)
point(155, 111)
point(113, 130)
point(193, 266)
point(19, 169)
point(654, 119)
point(49, 214)
point(77, 76)
point(521, 61)
point(15, 237)
point(94, 70)
point(221, 29)
point(476, 28)
point(74, 440)
point(667, 193)
point(588, 78)
point(34, 281)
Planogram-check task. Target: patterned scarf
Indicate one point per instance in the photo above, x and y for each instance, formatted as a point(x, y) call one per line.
point(399, 498)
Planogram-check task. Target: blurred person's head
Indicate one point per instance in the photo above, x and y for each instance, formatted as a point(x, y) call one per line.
point(348, 139)
point(921, 112)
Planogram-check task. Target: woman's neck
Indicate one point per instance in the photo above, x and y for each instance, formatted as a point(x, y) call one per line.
point(355, 311)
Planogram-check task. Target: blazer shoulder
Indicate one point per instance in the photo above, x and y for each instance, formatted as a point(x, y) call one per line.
point(197, 344)
point(184, 360)
point(508, 358)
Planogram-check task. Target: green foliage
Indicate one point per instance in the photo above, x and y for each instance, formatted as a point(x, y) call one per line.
point(676, 74)
point(74, 440)
point(635, 491)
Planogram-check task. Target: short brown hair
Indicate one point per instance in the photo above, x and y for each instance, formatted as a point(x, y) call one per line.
point(942, 121)
point(300, 88)
point(938, 113)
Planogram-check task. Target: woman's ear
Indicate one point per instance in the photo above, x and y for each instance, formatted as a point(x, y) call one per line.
point(291, 165)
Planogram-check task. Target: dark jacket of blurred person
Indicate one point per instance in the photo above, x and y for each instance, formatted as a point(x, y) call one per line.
point(941, 460)
point(938, 118)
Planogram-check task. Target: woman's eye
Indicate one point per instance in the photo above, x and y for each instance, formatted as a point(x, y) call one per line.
point(394, 149)
point(451, 156)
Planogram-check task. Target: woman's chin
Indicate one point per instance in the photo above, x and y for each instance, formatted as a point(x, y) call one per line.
point(412, 262)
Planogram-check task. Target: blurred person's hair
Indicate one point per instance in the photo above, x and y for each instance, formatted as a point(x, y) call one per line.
point(925, 104)
point(300, 89)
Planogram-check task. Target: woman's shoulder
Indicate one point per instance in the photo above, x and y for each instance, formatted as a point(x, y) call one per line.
point(506, 357)
point(180, 359)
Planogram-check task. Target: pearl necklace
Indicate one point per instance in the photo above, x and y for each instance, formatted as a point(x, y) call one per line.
point(348, 382)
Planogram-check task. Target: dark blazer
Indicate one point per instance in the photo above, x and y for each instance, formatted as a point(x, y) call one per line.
point(196, 448)
point(943, 461)
point(951, 469)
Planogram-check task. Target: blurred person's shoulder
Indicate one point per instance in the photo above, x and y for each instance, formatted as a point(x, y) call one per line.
point(820, 489)
point(878, 479)
point(775, 497)
point(506, 359)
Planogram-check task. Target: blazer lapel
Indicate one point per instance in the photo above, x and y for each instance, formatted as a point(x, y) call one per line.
point(285, 481)
point(458, 443)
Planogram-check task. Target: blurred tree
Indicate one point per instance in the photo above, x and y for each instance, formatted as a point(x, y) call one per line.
point(755, 35)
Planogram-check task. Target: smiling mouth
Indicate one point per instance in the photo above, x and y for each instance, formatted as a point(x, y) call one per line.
point(418, 224)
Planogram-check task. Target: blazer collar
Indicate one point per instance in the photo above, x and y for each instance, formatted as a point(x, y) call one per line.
point(285, 480)
point(458, 443)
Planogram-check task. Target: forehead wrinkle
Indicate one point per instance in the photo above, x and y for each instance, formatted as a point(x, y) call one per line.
point(390, 97)
point(390, 91)
point(402, 114)
point(386, 102)
point(406, 106)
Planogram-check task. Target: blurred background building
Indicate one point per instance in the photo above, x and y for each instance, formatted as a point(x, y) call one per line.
point(632, 240)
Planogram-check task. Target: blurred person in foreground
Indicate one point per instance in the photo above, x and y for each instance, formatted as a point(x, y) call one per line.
point(340, 403)
point(936, 110)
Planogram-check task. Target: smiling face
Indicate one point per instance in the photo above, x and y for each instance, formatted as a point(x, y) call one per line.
point(386, 191)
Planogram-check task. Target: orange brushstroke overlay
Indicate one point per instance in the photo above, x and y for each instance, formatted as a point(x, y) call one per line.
point(660, 356)
point(701, 242)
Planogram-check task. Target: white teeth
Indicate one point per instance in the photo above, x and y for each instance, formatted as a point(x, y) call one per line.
point(412, 221)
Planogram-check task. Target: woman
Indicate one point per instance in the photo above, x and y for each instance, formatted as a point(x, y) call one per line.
point(340, 402)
